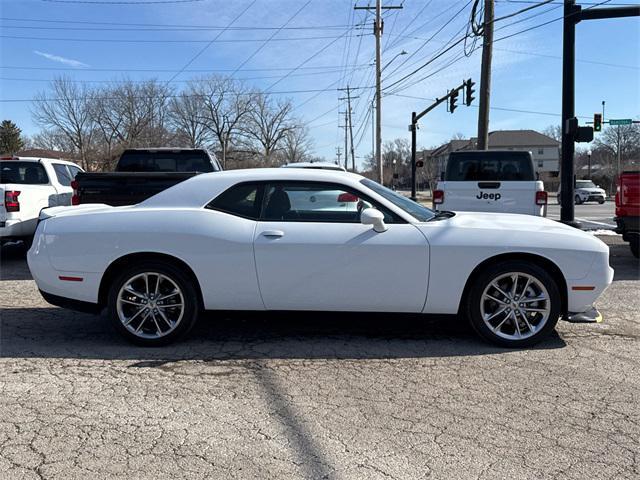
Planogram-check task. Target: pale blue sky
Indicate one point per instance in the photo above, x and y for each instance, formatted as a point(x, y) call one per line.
point(165, 35)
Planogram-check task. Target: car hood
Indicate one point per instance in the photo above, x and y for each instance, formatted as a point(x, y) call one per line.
point(513, 230)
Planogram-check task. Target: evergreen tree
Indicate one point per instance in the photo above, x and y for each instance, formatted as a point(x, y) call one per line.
point(10, 138)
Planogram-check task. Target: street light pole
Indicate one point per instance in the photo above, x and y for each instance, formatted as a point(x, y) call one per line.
point(589, 168)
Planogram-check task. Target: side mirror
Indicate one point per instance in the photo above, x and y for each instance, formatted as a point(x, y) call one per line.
point(371, 216)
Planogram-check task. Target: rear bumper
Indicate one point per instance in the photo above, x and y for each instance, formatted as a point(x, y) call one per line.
point(70, 303)
point(17, 228)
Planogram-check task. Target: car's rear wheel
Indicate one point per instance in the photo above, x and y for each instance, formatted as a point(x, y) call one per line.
point(514, 304)
point(153, 304)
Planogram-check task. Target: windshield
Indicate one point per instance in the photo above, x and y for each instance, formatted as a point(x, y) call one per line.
point(585, 184)
point(489, 165)
point(164, 161)
point(420, 213)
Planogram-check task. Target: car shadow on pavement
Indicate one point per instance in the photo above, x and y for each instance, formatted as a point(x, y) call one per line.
point(13, 262)
point(626, 266)
point(57, 333)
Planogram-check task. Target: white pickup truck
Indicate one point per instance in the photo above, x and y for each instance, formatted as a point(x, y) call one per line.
point(491, 181)
point(27, 185)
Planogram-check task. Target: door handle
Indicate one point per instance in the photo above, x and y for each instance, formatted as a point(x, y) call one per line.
point(273, 233)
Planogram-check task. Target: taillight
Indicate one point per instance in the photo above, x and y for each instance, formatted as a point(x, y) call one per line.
point(347, 197)
point(541, 198)
point(75, 198)
point(11, 202)
point(438, 197)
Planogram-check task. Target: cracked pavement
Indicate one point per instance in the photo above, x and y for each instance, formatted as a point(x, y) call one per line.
point(317, 395)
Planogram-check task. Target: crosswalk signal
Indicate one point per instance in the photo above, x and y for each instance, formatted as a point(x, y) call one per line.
point(469, 91)
point(597, 122)
point(453, 98)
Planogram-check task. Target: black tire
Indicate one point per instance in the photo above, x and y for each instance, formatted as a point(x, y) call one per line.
point(601, 201)
point(634, 244)
point(482, 281)
point(578, 200)
point(191, 304)
point(27, 242)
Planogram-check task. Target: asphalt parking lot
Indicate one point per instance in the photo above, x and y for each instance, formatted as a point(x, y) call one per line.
point(317, 396)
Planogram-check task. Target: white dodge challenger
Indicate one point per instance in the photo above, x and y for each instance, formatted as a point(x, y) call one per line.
point(255, 240)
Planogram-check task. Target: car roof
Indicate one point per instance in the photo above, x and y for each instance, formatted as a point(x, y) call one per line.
point(316, 165)
point(38, 159)
point(199, 190)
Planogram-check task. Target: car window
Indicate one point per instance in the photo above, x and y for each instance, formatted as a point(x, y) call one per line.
point(316, 202)
point(242, 200)
point(73, 170)
point(496, 166)
point(585, 184)
point(414, 209)
point(165, 161)
point(62, 174)
point(26, 173)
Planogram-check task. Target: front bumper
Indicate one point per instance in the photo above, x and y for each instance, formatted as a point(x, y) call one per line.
point(590, 316)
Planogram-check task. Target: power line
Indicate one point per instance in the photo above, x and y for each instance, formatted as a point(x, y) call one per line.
point(264, 44)
point(201, 51)
point(121, 2)
point(157, 40)
point(282, 92)
point(199, 70)
point(165, 25)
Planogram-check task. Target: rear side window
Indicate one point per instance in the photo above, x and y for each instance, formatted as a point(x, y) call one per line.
point(26, 173)
point(165, 161)
point(62, 174)
point(242, 200)
point(498, 166)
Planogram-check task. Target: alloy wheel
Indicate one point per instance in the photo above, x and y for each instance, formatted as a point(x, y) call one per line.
point(150, 305)
point(515, 306)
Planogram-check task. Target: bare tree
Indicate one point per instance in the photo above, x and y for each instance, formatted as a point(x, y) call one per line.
point(65, 109)
point(186, 114)
point(226, 104)
point(268, 124)
point(297, 145)
point(620, 140)
point(553, 131)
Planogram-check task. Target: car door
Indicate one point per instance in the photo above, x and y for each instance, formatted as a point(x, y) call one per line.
point(323, 258)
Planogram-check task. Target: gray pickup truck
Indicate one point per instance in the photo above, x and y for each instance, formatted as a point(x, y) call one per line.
point(140, 174)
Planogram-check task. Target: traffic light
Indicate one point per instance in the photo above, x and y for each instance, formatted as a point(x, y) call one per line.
point(597, 122)
point(453, 98)
point(469, 91)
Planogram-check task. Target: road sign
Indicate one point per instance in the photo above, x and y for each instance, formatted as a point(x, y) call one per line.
point(621, 121)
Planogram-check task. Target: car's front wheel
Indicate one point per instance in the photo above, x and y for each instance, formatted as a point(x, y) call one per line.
point(578, 199)
point(153, 303)
point(514, 304)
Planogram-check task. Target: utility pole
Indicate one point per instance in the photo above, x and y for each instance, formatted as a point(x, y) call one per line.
point(571, 132)
point(378, 28)
point(350, 124)
point(485, 76)
point(338, 153)
point(346, 145)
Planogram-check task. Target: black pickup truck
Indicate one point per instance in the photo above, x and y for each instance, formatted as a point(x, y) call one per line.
point(140, 174)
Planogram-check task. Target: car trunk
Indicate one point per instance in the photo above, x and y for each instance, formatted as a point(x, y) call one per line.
point(491, 196)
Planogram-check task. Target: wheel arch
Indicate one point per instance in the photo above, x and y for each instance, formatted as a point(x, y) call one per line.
point(116, 266)
point(543, 262)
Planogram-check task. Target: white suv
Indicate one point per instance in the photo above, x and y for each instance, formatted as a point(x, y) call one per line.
point(27, 185)
point(587, 191)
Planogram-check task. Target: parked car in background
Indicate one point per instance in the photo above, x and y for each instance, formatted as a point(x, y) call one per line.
point(27, 185)
point(587, 191)
point(239, 240)
point(490, 181)
point(141, 173)
point(628, 209)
